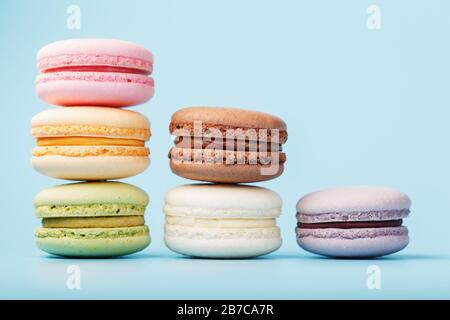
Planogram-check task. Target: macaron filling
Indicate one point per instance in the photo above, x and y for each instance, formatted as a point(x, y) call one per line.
point(217, 144)
point(208, 131)
point(352, 224)
point(103, 61)
point(352, 220)
point(97, 69)
point(221, 144)
point(179, 155)
point(88, 141)
point(94, 222)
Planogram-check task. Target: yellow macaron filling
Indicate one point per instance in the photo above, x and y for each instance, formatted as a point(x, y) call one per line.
point(94, 222)
point(88, 141)
point(220, 223)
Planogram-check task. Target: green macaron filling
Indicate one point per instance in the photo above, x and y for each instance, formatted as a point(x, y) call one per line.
point(91, 233)
point(89, 210)
point(93, 222)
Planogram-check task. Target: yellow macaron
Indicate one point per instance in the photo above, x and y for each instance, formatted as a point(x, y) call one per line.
point(90, 143)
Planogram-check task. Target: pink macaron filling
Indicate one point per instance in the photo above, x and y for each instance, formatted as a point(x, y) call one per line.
point(96, 69)
point(105, 63)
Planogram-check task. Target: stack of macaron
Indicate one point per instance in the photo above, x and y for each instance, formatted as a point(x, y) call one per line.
point(92, 138)
point(224, 147)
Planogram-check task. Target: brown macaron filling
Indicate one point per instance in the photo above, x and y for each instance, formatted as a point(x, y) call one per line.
point(223, 144)
point(235, 146)
point(352, 224)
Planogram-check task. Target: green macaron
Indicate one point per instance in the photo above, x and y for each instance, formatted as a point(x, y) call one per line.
point(92, 219)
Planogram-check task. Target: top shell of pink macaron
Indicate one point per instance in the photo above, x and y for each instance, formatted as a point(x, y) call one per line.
point(353, 199)
point(95, 53)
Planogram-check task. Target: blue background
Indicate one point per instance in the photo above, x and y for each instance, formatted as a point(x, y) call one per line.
point(362, 107)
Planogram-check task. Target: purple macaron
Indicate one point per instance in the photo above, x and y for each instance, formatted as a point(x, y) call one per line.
point(353, 222)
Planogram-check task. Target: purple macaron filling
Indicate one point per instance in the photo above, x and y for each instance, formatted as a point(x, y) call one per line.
point(352, 225)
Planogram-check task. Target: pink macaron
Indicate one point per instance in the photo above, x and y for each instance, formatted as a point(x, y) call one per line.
point(94, 72)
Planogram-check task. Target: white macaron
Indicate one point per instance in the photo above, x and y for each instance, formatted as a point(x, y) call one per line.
point(222, 221)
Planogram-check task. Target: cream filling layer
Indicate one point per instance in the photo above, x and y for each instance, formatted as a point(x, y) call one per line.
point(94, 222)
point(88, 141)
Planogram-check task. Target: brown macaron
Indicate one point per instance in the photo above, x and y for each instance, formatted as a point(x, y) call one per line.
point(227, 145)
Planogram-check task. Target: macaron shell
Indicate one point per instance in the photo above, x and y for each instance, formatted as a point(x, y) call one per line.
point(222, 201)
point(222, 243)
point(234, 117)
point(94, 48)
point(221, 173)
point(90, 168)
point(92, 193)
point(101, 247)
point(365, 247)
point(94, 93)
point(353, 199)
point(90, 116)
